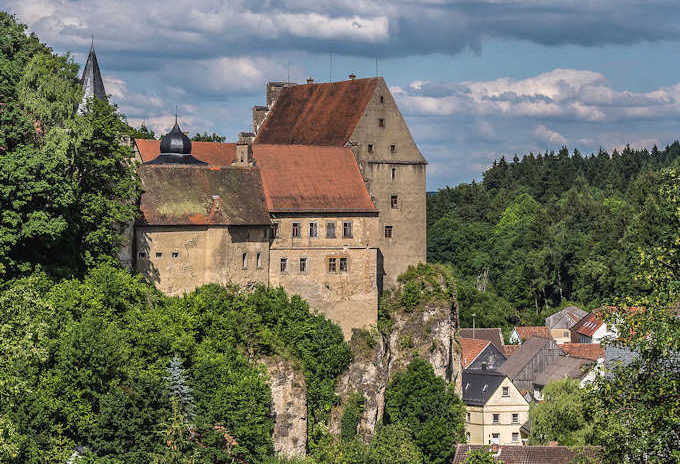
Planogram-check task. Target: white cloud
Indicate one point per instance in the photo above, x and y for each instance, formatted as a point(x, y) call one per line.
point(544, 134)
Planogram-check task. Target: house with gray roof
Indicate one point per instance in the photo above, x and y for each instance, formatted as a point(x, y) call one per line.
point(532, 358)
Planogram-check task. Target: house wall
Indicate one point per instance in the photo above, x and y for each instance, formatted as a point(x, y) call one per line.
point(561, 335)
point(204, 254)
point(348, 298)
point(481, 425)
point(408, 220)
point(489, 356)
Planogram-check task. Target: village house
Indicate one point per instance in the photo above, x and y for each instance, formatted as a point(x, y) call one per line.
point(564, 367)
point(562, 321)
point(590, 329)
point(532, 358)
point(495, 409)
point(553, 454)
point(480, 354)
point(493, 335)
point(520, 334)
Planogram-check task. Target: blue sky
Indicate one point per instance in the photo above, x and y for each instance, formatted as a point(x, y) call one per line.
point(475, 79)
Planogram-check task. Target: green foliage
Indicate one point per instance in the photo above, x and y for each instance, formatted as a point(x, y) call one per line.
point(351, 416)
point(205, 137)
point(561, 417)
point(423, 403)
point(480, 456)
point(142, 133)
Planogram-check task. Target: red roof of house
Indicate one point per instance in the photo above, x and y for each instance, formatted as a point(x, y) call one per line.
point(536, 331)
point(531, 454)
point(592, 351)
point(510, 349)
point(323, 114)
point(589, 324)
point(312, 179)
point(471, 348)
point(214, 153)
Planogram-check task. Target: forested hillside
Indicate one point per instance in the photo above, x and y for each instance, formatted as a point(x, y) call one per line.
point(553, 228)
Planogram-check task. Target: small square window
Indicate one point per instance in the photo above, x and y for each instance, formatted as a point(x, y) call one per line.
point(313, 229)
point(258, 260)
point(343, 264)
point(515, 436)
point(394, 173)
point(393, 148)
point(496, 418)
point(284, 265)
point(394, 202)
point(388, 231)
point(382, 99)
point(330, 230)
point(370, 148)
point(141, 254)
point(244, 261)
point(159, 254)
point(515, 418)
point(296, 229)
point(347, 229)
point(303, 265)
point(332, 265)
point(381, 122)
point(175, 254)
point(506, 391)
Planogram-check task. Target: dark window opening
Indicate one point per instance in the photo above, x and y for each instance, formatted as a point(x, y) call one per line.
point(388, 231)
point(258, 260)
point(381, 122)
point(313, 229)
point(382, 99)
point(394, 173)
point(175, 254)
point(347, 229)
point(394, 201)
point(393, 148)
point(275, 229)
point(515, 418)
point(370, 148)
point(296, 229)
point(330, 230)
point(496, 418)
point(343, 264)
point(332, 265)
point(244, 261)
point(142, 254)
point(303, 264)
point(284, 265)
point(159, 254)
point(506, 391)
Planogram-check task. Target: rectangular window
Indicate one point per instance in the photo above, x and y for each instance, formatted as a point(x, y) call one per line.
point(332, 265)
point(258, 260)
point(141, 254)
point(347, 229)
point(381, 122)
point(515, 437)
point(303, 265)
point(496, 418)
point(370, 148)
point(175, 254)
point(515, 418)
point(382, 99)
point(468, 417)
point(159, 254)
point(343, 264)
point(388, 231)
point(330, 230)
point(394, 201)
point(313, 229)
point(467, 436)
point(244, 261)
point(275, 230)
point(506, 391)
point(284, 265)
point(393, 148)
point(394, 173)
point(296, 229)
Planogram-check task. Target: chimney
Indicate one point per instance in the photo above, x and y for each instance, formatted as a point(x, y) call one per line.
point(244, 150)
point(352, 76)
point(310, 80)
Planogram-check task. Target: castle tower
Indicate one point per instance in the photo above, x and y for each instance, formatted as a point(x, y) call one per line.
point(91, 80)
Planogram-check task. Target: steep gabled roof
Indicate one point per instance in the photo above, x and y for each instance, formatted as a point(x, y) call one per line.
point(479, 385)
point(566, 318)
point(214, 153)
point(592, 351)
point(589, 324)
point(194, 195)
point(471, 349)
point(533, 331)
point(324, 114)
point(530, 454)
point(91, 81)
point(526, 352)
point(300, 178)
point(493, 335)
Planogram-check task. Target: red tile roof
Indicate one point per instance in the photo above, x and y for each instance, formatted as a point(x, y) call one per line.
point(317, 114)
point(471, 348)
point(589, 324)
point(537, 331)
point(493, 335)
point(592, 351)
point(213, 153)
point(312, 179)
point(530, 454)
point(510, 349)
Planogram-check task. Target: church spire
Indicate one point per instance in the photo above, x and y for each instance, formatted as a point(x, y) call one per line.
point(91, 80)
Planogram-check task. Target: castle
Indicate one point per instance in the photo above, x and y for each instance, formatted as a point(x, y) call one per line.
point(325, 197)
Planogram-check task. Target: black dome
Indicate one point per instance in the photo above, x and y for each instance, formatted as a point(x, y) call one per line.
point(175, 142)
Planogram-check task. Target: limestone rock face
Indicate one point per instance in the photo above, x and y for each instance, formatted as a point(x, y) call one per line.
point(428, 332)
point(289, 406)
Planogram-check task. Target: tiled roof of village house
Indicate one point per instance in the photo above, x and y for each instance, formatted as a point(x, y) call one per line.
point(592, 351)
point(311, 179)
point(566, 318)
point(562, 368)
point(493, 335)
point(535, 331)
point(213, 153)
point(317, 114)
point(471, 348)
point(588, 325)
point(531, 454)
point(510, 350)
point(526, 352)
point(191, 195)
